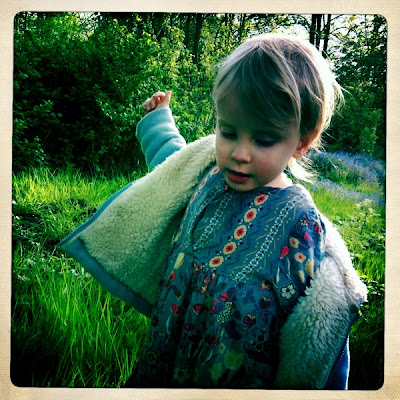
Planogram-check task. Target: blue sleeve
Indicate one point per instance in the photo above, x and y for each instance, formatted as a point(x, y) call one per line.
point(300, 258)
point(158, 136)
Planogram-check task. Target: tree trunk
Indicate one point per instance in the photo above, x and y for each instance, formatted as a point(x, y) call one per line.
point(196, 40)
point(327, 29)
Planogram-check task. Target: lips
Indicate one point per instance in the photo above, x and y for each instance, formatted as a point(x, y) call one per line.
point(237, 177)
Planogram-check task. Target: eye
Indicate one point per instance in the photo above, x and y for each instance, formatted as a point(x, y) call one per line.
point(265, 142)
point(227, 134)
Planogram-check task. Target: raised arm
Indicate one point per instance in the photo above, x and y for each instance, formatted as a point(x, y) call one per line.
point(157, 132)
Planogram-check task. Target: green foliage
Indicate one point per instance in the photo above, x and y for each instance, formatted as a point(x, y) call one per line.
point(360, 67)
point(80, 80)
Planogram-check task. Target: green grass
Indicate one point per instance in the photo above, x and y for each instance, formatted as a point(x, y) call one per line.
point(67, 331)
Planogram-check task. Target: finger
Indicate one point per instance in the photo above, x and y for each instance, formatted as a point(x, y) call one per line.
point(165, 100)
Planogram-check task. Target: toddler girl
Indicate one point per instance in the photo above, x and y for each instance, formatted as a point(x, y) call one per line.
point(241, 300)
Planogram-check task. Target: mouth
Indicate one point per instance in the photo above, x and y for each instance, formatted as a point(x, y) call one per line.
point(237, 177)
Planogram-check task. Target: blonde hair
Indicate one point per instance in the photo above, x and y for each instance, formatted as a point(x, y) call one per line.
point(282, 80)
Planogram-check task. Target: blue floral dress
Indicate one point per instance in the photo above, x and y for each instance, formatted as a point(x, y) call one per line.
point(237, 266)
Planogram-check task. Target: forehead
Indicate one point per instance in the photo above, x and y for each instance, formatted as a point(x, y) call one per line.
point(246, 114)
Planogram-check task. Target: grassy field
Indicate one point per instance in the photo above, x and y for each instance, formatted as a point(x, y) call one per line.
point(67, 331)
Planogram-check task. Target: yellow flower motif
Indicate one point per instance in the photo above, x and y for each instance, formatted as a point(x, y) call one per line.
point(250, 215)
point(294, 242)
point(216, 261)
point(300, 272)
point(230, 248)
point(233, 359)
point(310, 267)
point(179, 260)
point(300, 257)
point(240, 232)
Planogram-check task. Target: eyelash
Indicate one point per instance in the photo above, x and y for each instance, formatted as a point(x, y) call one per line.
point(259, 142)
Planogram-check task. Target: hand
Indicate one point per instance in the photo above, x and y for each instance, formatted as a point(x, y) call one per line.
point(158, 100)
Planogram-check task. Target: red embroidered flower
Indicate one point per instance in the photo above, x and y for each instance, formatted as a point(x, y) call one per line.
point(197, 308)
point(216, 261)
point(307, 236)
point(193, 197)
point(225, 297)
point(203, 183)
point(172, 276)
point(211, 340)
point(229, 248)
point(284, 252)
point(175, 308)
point(250, 320)
point(240, 232)
point(261, 199)
point(214, 171)
point(300, 257)
point(250, 215)
point(294, 242)
point(213, 309)
point(317, 228)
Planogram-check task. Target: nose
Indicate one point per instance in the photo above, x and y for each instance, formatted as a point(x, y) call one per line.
point(242, 152)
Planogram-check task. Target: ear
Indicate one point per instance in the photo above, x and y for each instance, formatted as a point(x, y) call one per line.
point(305, 143)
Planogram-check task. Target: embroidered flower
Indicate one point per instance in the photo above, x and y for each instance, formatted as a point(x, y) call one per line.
point(265, 302)
point(172, 276)
point(197, 266)
point(179, 260)
point(216, 261)
point(284, 252)
point(203, 183)
point(294, 242)
point(300, 257)
point(224, 297)
point(229, 248)
point(233, 359)
point(300, 273)
point(250, 215)
point(181, 374)
point(197, 308)
point(212, 340)
point(151, 357)
point(307, 237)
point(318, 228)
point(250, 320)
point(214, 171)
point(287, 292)
point(240, 232)
point(310, 267)
point(261, 199)
point(265, 285)
point(175, 308)
point(193, 197)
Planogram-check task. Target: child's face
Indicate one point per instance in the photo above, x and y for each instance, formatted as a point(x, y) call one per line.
point(249, 153)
